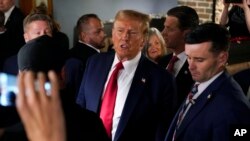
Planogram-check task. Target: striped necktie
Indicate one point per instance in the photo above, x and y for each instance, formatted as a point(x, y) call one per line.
point(193, 91)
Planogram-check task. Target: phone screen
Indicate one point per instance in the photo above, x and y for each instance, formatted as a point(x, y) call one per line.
point(9, 89)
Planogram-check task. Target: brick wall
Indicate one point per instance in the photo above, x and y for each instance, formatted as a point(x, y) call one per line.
point(204, 8)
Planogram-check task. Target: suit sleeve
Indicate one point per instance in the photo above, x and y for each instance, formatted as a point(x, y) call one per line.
point(80, 100)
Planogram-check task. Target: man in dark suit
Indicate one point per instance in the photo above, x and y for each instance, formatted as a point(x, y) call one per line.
point(218, 105)
point(14, 25)
point(91, 37)
point(145, 93)
point(179, 21)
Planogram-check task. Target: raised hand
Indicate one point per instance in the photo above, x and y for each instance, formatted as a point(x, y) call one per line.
point(41, 113)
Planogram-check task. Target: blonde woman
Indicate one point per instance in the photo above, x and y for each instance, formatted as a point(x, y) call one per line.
point(155, 46)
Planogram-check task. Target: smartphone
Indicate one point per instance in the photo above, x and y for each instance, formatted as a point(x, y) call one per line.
point(233, 1)
point(9, 89)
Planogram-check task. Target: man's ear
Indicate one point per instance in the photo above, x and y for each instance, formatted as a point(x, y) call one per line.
point(185, 32)
point(142, 44)
point(26, 38)
point(82, 36)
point(222, 58)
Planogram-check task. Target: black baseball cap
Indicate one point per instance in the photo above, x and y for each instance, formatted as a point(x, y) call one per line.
point(41, 54)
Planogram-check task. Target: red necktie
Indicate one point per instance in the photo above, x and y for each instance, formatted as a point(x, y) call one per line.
point(108, 101)
point(170, 66)
point(190, 99)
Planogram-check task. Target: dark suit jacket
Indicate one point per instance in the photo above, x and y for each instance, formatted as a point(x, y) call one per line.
point(81, 124)
point(149, 104)
point(183, 79)
point(75, 65)
point(82, 52)
point(14, 26)
point(221, 105)
point(4, 48)
point(243, 78)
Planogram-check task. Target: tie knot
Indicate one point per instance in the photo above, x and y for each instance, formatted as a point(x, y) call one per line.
point(119, 66)
point(174, 58)
point(194, 90)
point(171, 63)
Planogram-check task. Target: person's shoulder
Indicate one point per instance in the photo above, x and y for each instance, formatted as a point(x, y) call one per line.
point(163, 61)
point(154, 69)
point(76, 46)
point(102, 56)
point(82, 48)
point(73, 61)
point(243, 73)
point(167, 56)
point(17, 13)
point(231, 96)
point(227, 88)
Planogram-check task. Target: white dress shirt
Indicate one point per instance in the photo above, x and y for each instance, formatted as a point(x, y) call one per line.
point(179, 63)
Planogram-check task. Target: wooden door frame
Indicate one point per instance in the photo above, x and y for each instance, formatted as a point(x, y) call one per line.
point(27, 5)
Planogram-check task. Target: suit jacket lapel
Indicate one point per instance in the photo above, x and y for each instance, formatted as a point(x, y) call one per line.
point(183, 71)
point(201, 102)
point(135, 92)
point(172, 126)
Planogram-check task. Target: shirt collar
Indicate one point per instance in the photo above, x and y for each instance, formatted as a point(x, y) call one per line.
point(128, 65)
point(204, 85)
point(90, 46)
point(7, 14)
point(182, 56)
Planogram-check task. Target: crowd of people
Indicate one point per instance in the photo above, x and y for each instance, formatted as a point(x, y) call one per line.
point(169, 85)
